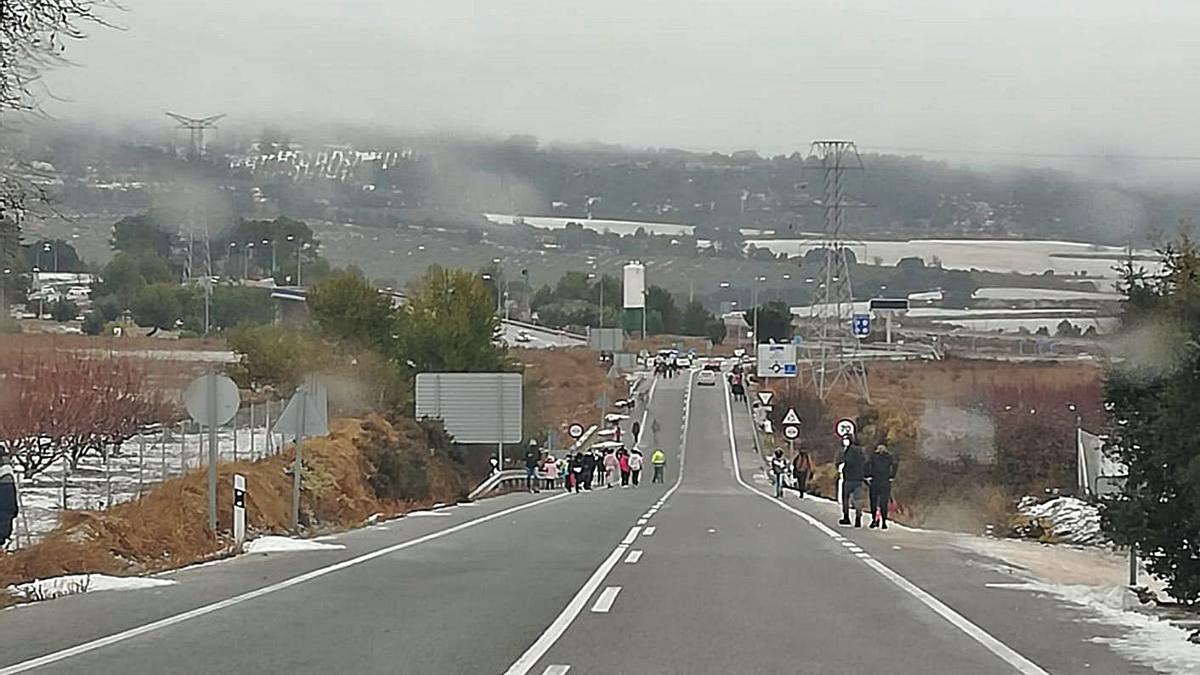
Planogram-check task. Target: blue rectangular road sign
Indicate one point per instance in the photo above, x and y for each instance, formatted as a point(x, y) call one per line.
point(861, 325)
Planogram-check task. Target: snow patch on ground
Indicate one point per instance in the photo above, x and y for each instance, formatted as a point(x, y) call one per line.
point(276, 544)
point(1070, 520)
point(70, 584)
point(1150, 641)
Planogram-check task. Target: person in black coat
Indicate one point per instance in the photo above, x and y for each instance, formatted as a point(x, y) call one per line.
point(8, 500)
point(881, 471)
point(854, 467)
point(588, 465)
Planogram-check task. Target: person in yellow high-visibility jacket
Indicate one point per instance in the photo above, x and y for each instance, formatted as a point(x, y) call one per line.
point(658, 460)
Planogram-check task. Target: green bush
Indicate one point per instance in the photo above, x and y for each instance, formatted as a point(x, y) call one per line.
point(93, 323)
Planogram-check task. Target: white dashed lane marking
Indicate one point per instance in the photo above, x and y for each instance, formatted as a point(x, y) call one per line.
point(633, 557)
point(649, 531)
point(607, 597)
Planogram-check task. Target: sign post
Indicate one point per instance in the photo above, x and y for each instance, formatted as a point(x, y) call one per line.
point(860, 326)
point(791, 428)
point(213, 400)
point(239, 509)
point(765, 396)
point(306, 414)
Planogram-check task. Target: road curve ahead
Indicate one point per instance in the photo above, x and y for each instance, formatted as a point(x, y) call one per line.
point(705, 573)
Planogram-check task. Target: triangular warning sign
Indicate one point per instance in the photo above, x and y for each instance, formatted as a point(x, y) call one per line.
point(791, 417)
point(764, 397)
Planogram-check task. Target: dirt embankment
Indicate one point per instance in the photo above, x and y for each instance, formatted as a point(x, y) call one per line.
point(566, 383)
point(168, 526)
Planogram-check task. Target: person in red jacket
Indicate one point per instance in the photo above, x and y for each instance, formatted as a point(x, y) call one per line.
point(802, 467)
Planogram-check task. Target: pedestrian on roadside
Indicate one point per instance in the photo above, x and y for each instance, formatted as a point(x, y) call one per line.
point(654, 427)
point(564, 471)
point(881, 471)
point(495, 462)
point(616, 431)
point(623, 464)
point(610, 468)
point(587, 466)
point(532, 457)
point(549, 472)
point(636, 430)
point(8, 500)
point(802, 467)
point(576, 467)
point(854, 467)
point(658, 460)
point(635, 466)
point(779, 467)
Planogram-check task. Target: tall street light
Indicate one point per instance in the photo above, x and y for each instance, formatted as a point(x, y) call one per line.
point(246, 253)
point(273, 263)
point(4, 283)
point(231, 268)
point(754, 303)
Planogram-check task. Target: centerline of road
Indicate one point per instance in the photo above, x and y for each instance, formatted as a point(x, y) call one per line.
point(528, 660)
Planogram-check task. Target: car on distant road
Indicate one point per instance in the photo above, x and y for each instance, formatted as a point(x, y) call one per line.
point(706, 378)
point(524, 336)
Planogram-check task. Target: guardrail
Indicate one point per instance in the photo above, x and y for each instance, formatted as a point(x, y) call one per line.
point(545, 329)
point(507, 476)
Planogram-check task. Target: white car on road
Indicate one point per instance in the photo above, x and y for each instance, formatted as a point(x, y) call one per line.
point(706, 378)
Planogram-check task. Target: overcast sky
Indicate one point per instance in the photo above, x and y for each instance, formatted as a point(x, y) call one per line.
point(1091, 76)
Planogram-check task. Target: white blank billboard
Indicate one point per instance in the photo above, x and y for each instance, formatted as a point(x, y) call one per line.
point(635, 286)
point(475, 407)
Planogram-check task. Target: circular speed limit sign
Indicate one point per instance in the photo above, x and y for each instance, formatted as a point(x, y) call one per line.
point(791, 433)
point(844, 428)
point(575, 430)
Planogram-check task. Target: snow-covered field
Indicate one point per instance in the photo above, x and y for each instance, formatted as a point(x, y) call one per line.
point(621, 227)
point(276, 544)
point(1053, 294)
point(166, 455)
point(995, 255)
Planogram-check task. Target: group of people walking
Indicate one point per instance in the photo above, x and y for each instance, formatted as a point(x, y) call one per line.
point(877, 472)
point(858, 469)
point(599, 467)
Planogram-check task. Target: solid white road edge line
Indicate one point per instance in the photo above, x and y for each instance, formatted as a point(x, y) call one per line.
point(605, 602)
point(563, 621)
point(634, 556)
point(131, 633)
point(631, 535)
point(979, 635)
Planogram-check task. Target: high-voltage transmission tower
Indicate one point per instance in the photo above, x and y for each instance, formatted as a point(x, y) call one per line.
point(196, 127)
point(197, 212)
point(831, 353)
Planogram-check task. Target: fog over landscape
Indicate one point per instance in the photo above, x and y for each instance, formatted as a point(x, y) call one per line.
point(936, 77)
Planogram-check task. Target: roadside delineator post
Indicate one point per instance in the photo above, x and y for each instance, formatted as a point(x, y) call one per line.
point(239, 509)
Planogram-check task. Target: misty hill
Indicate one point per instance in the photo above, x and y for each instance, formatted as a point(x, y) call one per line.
point(452, 181)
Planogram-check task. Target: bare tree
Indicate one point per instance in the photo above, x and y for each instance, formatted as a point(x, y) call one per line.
point(62, 404)
point(33, 38)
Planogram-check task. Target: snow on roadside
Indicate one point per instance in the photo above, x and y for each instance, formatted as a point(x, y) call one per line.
point(70, 584)
point(1148, 640)
point(277, 544)
point(1071, 520)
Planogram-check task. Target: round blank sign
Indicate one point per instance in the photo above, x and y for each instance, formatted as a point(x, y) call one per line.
point(198, 397)
point(575, 430)
point(792, 433)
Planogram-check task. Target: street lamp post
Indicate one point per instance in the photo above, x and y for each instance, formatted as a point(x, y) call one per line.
point(231, 268)
point(273, 263)
point(3, 284)
point(246, 253)
point(40, 292)
point(754, 303)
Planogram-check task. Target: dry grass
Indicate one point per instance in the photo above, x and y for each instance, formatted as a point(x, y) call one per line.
point(568, 383)
point(168, 527)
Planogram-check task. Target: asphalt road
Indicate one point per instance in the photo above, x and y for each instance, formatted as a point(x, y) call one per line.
point(704, 574)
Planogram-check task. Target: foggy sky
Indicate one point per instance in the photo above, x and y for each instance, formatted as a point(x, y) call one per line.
point(1099, 76)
